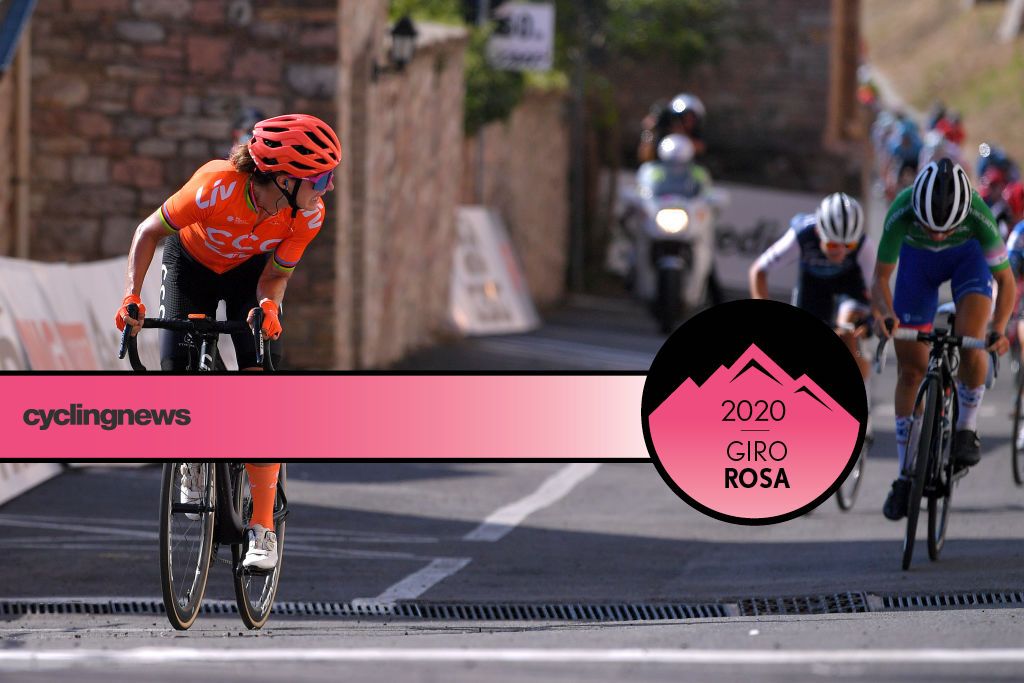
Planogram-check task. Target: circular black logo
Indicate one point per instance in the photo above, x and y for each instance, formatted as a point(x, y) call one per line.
point(754, 411)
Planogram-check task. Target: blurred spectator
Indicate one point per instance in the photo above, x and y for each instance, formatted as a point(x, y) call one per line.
point(991, 156)
point(951, 126)
point(903, 152)
point(935, 146)
point(1013, 195)
point(935, 114)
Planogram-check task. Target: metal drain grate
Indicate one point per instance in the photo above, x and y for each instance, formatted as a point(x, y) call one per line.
point(559, 611)
point(834, 603)
point(407, 610)
point(952, 600)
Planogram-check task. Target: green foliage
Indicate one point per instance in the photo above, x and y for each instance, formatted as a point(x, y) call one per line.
point(491, 95)
point(442, 11)
point(682, 30)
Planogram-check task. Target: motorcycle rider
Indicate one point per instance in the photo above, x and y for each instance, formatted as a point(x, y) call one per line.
point(683, 115)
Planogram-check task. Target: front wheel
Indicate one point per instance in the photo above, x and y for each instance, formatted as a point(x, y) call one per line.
point(941, 500)
point(930, 397)
point(668, 306)
point(255, 590)
point(846, 494)
point(186, 538)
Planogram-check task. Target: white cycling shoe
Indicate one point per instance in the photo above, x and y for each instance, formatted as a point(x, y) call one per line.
point(262, 553)
point(191, 482)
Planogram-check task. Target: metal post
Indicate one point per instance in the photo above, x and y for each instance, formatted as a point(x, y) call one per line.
point(577, 118)
point(482, 14)
point(22, 118)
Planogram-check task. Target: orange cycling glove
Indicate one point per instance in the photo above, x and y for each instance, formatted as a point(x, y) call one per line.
point(123, 311)
point(271, 324)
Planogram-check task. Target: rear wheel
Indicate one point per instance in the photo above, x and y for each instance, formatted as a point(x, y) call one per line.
point(930, 397)
point(186, 538)
point(255, 590)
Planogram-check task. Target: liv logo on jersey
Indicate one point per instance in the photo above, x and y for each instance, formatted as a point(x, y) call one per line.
point(218, 192)
point(753, 412)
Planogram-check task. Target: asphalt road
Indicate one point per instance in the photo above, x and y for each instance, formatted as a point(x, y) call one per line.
point(528, 532)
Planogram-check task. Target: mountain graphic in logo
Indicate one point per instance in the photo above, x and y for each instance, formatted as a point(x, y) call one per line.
point(752, 415)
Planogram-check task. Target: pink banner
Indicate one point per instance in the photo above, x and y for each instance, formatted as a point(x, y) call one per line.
point(155, 416)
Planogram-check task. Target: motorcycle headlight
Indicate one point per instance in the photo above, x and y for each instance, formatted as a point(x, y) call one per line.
point(672, 220)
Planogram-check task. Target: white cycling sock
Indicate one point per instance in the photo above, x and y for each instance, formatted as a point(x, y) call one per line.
point(903, 425)
point(970, 400)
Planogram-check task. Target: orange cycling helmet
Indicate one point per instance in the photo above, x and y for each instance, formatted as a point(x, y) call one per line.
point(299, 145)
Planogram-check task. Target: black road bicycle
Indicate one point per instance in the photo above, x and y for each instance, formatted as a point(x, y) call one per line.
point(193, 531)
point(929, 462)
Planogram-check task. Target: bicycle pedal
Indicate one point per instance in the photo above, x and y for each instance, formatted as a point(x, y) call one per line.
point(261, 573)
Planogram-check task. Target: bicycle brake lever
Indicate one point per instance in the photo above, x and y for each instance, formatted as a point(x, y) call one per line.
point(257, 331)
point(133, 312)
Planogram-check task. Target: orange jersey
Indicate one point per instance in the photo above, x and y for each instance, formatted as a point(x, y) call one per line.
point(215, 218)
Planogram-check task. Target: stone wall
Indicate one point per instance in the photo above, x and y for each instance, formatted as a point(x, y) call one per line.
point(405, 190)
point(526, 176)
point(768, 95)
point(7, 105)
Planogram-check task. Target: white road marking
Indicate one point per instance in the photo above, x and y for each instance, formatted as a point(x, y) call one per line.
point(495, 527)
point(154, 655)
point(556, 487)
point(418, 583)
point(100, 530)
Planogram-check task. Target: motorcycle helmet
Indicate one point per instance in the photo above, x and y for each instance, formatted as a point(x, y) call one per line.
point(676, 149)
point(684, 102)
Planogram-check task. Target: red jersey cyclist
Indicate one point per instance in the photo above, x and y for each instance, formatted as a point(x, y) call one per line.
point(235, 233)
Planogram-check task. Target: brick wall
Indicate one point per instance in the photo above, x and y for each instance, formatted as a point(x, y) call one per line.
point(130, 97)
point(526, 176)
point(7, 104)
point(405, 189)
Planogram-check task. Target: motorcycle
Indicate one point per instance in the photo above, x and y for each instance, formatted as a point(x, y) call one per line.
point(668, 231)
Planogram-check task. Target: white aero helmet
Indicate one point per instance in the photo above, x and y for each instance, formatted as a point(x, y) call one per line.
point(676, 149)
point(840, 219)
point(942, 195)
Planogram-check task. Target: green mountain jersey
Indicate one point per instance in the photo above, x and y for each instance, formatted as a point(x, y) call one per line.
point(902, 227)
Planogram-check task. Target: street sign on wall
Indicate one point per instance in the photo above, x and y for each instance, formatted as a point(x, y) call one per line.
point(524, 37)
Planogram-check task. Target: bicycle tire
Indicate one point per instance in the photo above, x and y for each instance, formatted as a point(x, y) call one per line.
point(940, 506)
point(930, 396)
point(1016, 456)
point(185, 560)
point(255, 591)
point(846, 494)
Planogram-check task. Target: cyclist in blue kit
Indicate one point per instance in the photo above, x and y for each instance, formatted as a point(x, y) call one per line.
point(940, 230)
point(836, 260)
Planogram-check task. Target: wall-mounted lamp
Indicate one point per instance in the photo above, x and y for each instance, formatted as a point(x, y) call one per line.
point(403, 46)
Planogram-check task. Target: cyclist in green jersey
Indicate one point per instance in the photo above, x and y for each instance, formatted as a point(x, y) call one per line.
point(940, 230)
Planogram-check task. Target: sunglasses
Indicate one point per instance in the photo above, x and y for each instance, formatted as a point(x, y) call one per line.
point(320, 182)
point(835, 245)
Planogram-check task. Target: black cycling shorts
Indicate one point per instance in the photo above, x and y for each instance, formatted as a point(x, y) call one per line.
point(821, 296)
point(187, 286)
